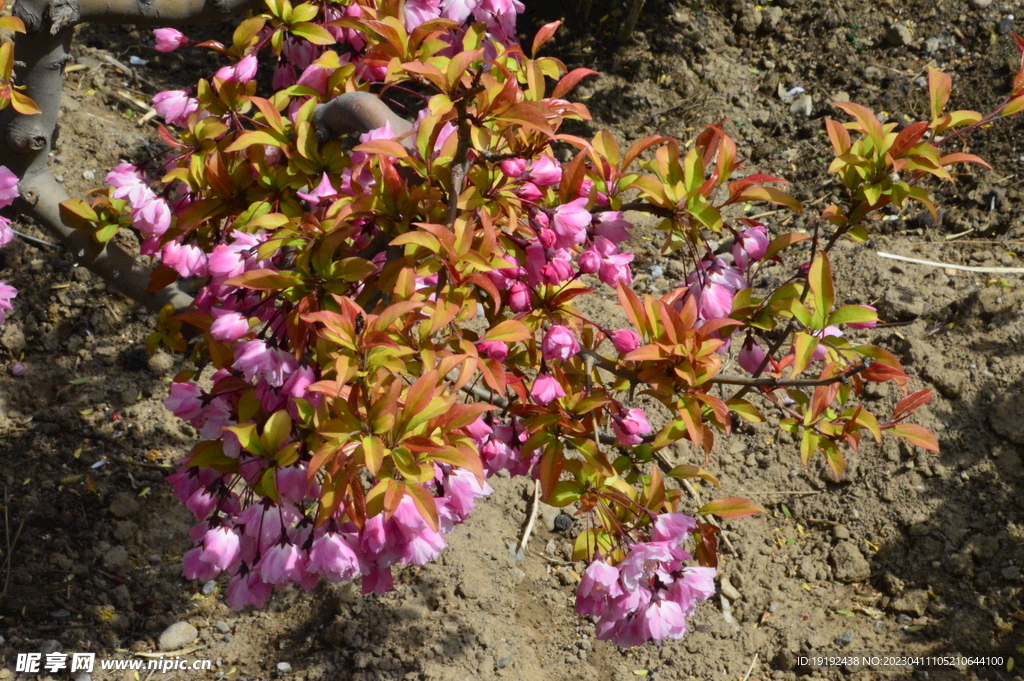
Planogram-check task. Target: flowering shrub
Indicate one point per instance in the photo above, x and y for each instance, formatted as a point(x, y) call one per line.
point(390, 324)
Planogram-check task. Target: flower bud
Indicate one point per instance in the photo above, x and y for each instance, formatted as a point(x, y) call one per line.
point(519, 297)
point(559, 343)
point(169, 39)
point(589, 261)
point(625, 340)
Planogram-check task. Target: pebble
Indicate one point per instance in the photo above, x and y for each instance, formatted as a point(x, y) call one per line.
point(979, 4)
point(124, 505)
point(802, 105)
point(563, 522)
point(49, 647)
point(1006, 25)
point(82, 676)
point(115, 558)
point(899, 35)
point(849, 563)
point(177, 636)
point(209, 587)
point(913, 602)
point(904, 619)
point(728, 590)
point(59, 614)
point(222, 627)
point(503, 662)
point(844, 639)
point(284, 667)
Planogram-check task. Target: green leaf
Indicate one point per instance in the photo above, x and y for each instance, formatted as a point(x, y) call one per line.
point(508, 331)
point(565, 493)
point(819, 278)
point(918, 435)
point(276, 430)
point(264, 280)
point(685, 472)
point(852, 314)
point(318, 35)
point(745, 409)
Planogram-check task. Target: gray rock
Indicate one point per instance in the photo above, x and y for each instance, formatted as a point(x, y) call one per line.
point(222, 627)
point(115, 559)
point(749, 22)
point(844, 639)
point(124, 505)
point(284, 667)
point(49, 647)
point(209, 587)
point(802, 105)
point(899, 35)
point(841, 532)
point(979, 4)
point(913, 602)
point(177, 636)
point(849, 563)
point(1006, 416)
point(160, 363)
point(549, 513)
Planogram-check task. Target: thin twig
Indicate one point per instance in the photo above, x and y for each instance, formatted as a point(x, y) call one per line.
point(35, 240)
point(963, 268)
point(750, 670)
point(10, 543)
point(788, 383)
point(533, 517)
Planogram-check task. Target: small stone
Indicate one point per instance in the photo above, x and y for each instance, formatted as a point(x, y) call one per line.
point(899, 35)
point(177, 636)
point(802, 105)
point(160, 363)
point(904, 619)
point(1006, 416)
point(124, 505)
point(913, 602)
point(503, 662)
point(89, 174)
point(284, 667)
point(1005, 26)
point(222, 627)
point(844, 639)
point(840, 532)
point(49, 647)
point(563, 523)
point(209, 587)
point(548, 514)
point(728, 590)
point(115, 559)
point(82, 676)
point(748, 23)
point(979, 4)
point(849, 563)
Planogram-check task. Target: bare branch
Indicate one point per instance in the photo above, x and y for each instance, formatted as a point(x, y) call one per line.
point(788, 383)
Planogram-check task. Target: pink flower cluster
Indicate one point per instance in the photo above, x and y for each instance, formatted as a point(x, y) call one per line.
point(8, 192)
point(267, 544)
point(649, 594)
point(150, 213)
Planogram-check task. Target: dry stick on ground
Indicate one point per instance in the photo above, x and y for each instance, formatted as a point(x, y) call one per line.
point(11, 543)
point(962, 268)
point(533, 518)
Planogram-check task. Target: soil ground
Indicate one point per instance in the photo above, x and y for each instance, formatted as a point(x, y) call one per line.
point(909, 554)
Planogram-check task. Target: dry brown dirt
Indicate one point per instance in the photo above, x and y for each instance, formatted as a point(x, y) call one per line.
point(909, 554)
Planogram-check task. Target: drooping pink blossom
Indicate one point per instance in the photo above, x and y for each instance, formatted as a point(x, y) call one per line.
point(228, 326)
point(751, 356)
point(333, 555)
point(612, 226)
point(185, 401)
point(246, 588)
point(221, 547)
point(188, 260)
point(6, 231)
point(630, 428)
point(614, 264)
point(241, 71)
point(169, 39)
point(175, 106)
point(750, 245)
point(8, 187)
point(545, 172)
point(496, 350)
point(559, 343)
point(546, 389)
point(571, 221)
point(600, 582)
point(322, 191)
point(625, 340)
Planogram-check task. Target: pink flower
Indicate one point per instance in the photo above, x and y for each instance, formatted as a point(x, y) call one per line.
point(420, 11)
point(750, 356)
point(589, 261)
point(545, 172)
point(194, 567)
point(8, 187)
point(323, 190)
point(185, 401)
point(7, 293)
point(663, 619)
point(611, 226)
point(614, 265)
point(714, 300)
point(152, 217)
point(315, 77)
point(625, 340)
point(821, 351)
point(556, 271)
point(169, 39)
point(750, 246)
point(334, 556)
point(496, 350)
point(528, 191)
point(457, 10)
point(185, 259)
point(513, 167)
point(629, 428)
point(241, 71)
point(519, 298)
point(852, 325)
point(6, 232)
point(559, 343)
point(599, 583)
point(282, 563)
point(672, 527)
point(571, 221)
point(253, 358)
point(221, 547)
point(228, 326)
point(175, 106)
point(545, 389)
point(247, 589)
